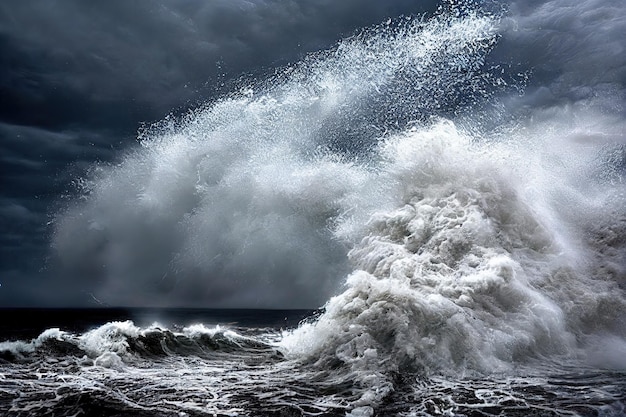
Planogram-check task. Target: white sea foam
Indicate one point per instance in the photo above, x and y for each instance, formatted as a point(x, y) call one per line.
point(481, 263)
point(110, 339)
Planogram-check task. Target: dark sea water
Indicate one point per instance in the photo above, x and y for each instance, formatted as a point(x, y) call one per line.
point(101, 362)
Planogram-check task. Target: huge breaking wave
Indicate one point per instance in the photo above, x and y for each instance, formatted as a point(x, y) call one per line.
point(478, 239)
point(240, 203)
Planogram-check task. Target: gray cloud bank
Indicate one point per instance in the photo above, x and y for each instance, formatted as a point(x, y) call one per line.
point(69, 61)
point(575, 52)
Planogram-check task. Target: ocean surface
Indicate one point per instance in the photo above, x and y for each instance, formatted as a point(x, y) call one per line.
point(195, 362)
point(448, 189)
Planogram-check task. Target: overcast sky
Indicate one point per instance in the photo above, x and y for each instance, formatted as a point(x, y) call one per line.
point(79, 79)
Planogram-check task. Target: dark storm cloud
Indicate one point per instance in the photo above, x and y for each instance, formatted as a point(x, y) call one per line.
point(575, 51)
point(36, 166)
point(71, 61)
point(77, 79)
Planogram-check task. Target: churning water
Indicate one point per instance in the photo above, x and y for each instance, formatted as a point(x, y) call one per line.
point(466, 240)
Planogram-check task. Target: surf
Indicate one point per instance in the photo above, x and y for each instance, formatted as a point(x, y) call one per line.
point(392, 181)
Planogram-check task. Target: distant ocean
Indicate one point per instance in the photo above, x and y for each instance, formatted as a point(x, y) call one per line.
point(28, 323)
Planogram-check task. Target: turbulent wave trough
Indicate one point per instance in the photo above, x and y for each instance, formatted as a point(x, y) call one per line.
point(465, 238)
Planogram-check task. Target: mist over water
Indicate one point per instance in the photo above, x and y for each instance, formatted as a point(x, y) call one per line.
point(270, 196)
point(450, 190)
point(379, 156)
point(239, 203)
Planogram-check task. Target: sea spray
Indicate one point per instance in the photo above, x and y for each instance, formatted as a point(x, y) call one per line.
point(473, 251)
point(466, 274)
point(236, 204)
point(484, 235)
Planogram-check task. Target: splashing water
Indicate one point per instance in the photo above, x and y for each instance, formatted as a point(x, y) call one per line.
point(236, 204)
point(464, 275)
point(472, 250)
